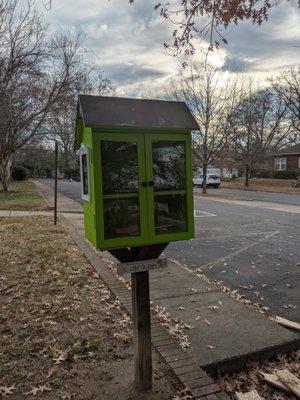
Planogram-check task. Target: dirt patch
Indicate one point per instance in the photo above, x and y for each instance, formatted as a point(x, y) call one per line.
point(22, 196)
point(62, 333)
point(263, 184)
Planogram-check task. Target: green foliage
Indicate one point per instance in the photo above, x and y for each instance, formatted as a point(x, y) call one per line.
point(263, 173)
point(19, 173)
point(270, 173)
point(285, 174)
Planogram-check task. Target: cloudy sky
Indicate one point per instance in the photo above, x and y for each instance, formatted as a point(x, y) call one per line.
point(127, 41)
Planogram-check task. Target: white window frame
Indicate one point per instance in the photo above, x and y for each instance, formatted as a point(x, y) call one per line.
point(280, 163)
point(84, 150)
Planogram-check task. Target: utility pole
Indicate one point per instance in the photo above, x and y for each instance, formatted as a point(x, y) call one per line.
point(55, 182)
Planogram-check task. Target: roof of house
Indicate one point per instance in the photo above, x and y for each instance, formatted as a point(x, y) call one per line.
point(292, 150)
point(118, 111)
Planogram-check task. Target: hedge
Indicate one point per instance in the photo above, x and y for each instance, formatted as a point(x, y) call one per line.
point(19, 173)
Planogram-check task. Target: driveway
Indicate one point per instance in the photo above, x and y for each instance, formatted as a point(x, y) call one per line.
point(252, 249)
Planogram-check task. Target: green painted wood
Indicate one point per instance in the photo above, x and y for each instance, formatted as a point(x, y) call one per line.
point(170, 237)
point(134, 129)
point(93, 209)
point(120, 195)
point(89, 206)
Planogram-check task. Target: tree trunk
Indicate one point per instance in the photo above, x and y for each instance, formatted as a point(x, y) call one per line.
point(204, 182)
point(5, 175)
point(247, 175)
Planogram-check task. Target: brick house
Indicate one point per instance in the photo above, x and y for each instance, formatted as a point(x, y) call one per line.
point(287, 159)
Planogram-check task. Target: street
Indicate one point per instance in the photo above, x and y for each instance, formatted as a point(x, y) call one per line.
point(252, 249)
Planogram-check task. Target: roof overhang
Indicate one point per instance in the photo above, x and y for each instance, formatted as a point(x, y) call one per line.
point(102, 111)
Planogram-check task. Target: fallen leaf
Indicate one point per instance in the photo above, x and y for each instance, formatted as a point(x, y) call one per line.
point(34, 391)
point(6, 391)
point(213, 308)
point(188, 326)
point(52, 371)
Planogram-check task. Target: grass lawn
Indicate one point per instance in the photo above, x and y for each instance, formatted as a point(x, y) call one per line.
point(264, 184)
point(21, 196)
point(62, 333)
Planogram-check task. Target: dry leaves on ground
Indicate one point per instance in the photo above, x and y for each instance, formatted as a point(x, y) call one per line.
point(62, 334)
point(249, 378)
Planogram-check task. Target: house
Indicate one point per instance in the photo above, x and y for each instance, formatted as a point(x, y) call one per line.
point(287, 159)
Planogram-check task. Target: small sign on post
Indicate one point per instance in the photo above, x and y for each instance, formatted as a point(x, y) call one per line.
point(140, 266)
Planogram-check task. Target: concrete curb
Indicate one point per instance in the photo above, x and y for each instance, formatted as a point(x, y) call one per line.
point(295, 209)
point(16, 213)
point(184, 368)
point(222, 196)
point(259, 190)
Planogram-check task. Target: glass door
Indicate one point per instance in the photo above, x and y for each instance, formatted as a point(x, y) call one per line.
point(124, 196)
point(168, 177)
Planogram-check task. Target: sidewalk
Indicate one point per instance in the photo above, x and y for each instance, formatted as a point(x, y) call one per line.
point(8, 213)
point(64, 203)
point(224, 333)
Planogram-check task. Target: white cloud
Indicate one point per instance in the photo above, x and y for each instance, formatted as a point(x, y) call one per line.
point(127, 41)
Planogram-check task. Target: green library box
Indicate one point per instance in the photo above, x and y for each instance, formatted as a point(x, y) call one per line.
point(136, 171)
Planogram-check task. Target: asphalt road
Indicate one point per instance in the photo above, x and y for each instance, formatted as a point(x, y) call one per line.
point(250, 249)
point(253, 250)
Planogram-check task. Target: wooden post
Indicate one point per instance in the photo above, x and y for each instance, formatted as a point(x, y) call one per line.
point(141, 309)
point(141, 330)
point(55, 182)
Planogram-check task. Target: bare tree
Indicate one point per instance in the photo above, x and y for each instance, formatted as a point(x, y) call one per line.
point(259, 124)
point(198, 19)
point(34, 73)
point(287, 86)
point(211, 95)
point(61, 120)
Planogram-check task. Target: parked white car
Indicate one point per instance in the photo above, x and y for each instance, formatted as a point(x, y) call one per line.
point(212, 180)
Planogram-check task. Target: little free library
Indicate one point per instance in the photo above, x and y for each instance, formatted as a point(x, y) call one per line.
point(137, 190)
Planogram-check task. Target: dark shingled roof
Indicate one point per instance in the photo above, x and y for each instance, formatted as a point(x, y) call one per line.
point(117, 111)
point(288, 150)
